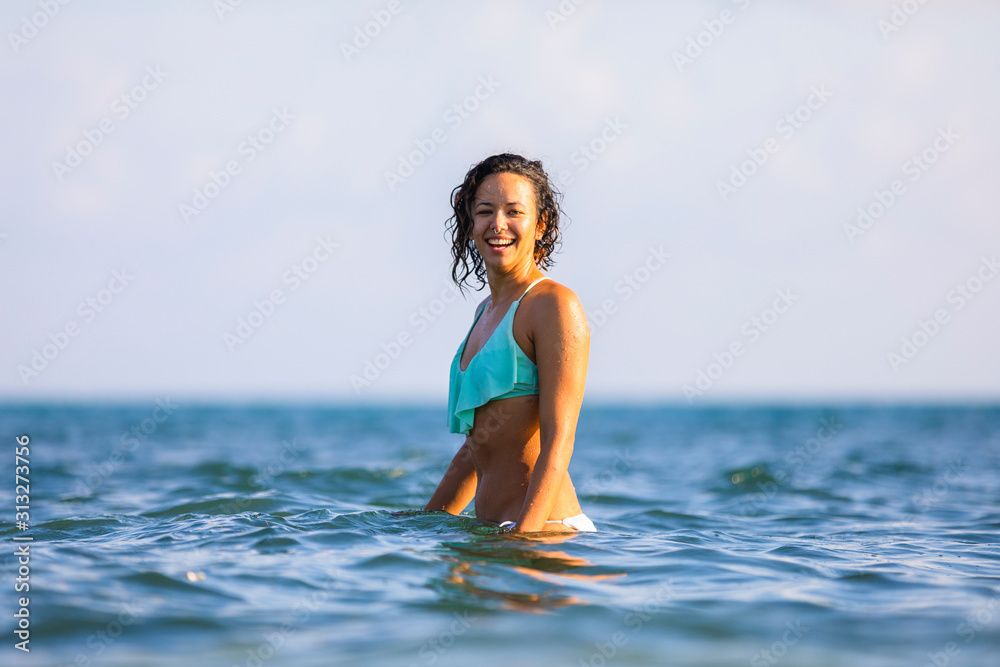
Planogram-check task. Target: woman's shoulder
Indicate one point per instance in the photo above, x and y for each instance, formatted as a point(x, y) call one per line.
point(554, 293)
point(555, 304)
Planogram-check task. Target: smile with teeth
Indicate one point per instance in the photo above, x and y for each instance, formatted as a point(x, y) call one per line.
point(500, 243)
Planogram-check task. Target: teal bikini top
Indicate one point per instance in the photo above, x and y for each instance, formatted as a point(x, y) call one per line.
point(500, 369)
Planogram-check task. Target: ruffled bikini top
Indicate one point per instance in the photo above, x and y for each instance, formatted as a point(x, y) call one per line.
point(500, 369)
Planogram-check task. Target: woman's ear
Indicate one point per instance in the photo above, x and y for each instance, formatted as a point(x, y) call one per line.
point(540, 226)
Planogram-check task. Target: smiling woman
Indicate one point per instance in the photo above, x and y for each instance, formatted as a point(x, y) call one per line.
point(517, 379)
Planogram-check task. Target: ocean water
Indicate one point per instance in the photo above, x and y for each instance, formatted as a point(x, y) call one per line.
point(291, 535)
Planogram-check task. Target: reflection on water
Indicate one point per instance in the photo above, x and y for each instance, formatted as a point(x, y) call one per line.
point(523, 573)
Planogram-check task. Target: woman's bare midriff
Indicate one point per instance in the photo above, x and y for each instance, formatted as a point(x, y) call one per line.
point(504, 443)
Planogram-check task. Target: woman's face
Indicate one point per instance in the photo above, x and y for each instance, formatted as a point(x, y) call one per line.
point(505, 221)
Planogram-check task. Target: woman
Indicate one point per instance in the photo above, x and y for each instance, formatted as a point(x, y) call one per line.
point(517, 380)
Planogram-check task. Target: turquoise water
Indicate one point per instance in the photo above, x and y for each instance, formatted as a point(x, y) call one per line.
point(290, 536)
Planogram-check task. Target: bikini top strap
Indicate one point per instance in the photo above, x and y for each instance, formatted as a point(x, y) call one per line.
point(532, 285)
point(479, 311)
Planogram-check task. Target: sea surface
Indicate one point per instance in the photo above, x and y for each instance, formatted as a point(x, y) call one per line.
point(178, 534)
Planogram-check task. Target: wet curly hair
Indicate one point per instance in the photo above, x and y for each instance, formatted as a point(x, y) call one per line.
point(467, 260)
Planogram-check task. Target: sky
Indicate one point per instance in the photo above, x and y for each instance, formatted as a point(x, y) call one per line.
point(764, 201)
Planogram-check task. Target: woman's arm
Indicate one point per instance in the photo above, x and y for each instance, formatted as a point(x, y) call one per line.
point(458, 486)
point(562, 349)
